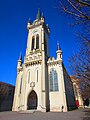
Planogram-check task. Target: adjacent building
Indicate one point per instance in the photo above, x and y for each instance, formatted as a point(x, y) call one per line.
point(77, 91)
point(6, 96)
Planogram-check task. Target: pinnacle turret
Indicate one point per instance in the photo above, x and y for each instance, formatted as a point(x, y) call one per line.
point(19, 64)
point(59, 52)
point(58, 46)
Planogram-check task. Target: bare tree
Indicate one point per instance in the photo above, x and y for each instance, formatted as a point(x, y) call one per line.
point(85, 92)
point(79, 11)
point(80, 64)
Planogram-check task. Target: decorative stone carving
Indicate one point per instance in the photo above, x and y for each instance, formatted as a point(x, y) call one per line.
point(33, 58)
point(32, 84)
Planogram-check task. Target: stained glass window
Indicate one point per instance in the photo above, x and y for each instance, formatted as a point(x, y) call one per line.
point(53, 80)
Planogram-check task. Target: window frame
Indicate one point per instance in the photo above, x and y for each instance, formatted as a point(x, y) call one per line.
point(53, 80)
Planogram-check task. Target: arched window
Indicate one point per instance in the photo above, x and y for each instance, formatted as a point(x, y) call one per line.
point(33, 41)
point(37, 75)
point(45, 44)
point(20, 85)
point(37, 41)
point(53, 80)
point(28, 76)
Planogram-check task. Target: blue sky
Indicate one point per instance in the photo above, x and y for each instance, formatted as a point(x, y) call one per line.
point(14, 15)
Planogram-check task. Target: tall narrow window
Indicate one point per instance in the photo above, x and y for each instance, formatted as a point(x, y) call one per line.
point(33, 41)
point(75, 91)
point(28, 76)
point(20, 85)
point(37, 75)
point(37, 41)
point(53, 80)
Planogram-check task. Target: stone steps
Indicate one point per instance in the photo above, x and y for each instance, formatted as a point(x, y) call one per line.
point(26, 111)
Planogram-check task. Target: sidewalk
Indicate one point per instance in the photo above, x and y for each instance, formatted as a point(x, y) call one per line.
point(80, 114)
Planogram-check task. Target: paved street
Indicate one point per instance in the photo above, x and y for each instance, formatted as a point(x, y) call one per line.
point(81, 114)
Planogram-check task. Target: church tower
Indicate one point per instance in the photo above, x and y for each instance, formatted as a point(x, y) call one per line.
point(42, 81)
point(32, 90)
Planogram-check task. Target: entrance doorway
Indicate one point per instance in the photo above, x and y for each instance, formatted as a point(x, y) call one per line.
point(32, 100)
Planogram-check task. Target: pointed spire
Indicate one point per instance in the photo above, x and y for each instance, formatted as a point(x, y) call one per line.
point(20, 57)
point(58, 46)
point(29, 21)
point(38, 14)
point(42, 15)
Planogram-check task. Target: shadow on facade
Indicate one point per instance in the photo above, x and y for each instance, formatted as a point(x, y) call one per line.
point(6, 96)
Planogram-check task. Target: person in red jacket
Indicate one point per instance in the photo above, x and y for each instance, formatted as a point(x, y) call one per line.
point(77, 103)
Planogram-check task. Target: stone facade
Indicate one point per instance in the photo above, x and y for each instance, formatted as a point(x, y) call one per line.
point(41, 83)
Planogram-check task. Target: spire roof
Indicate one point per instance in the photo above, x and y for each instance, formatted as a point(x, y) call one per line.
point(42, 15)
point(20, 57)
point(38, 14)
point(58, 46)
point(29, 20)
